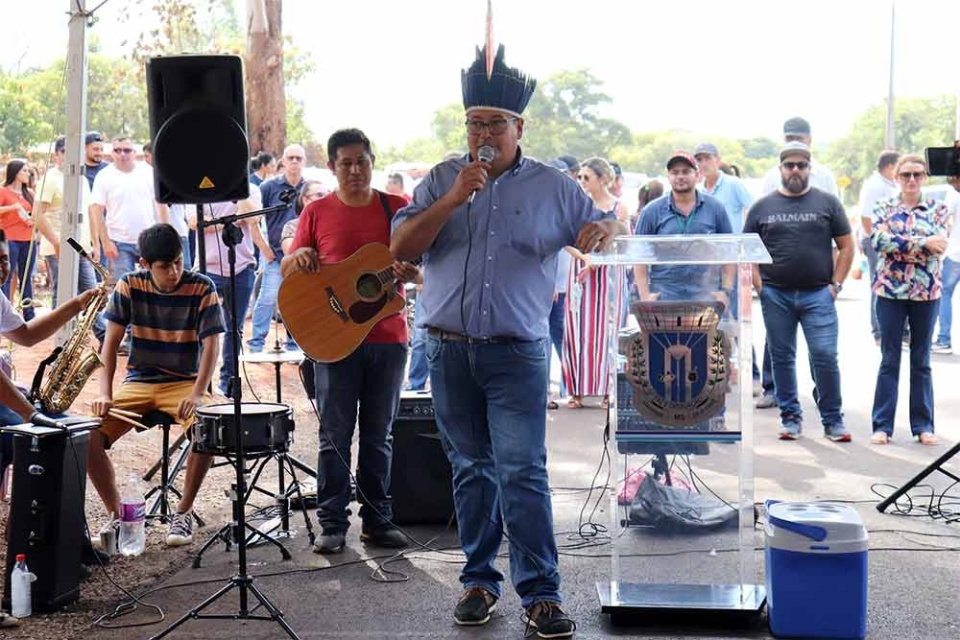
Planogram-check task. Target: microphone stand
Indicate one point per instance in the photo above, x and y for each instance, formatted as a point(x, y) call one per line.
point(232, 236)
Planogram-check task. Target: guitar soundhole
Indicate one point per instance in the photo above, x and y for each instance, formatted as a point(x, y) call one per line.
point(368, 286)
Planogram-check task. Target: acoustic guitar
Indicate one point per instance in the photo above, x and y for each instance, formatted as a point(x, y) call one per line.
point(354, 295)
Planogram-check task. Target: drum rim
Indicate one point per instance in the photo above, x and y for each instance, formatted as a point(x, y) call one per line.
point(208, 410)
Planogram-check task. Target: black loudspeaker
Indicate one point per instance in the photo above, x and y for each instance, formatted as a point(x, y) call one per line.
point(421, 481)
point(46, 516)
point(198, 127)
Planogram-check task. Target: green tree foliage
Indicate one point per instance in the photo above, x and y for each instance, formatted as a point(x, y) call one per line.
point(24, 118)
point(33, 104)
point(920, 123)
point(563, 118)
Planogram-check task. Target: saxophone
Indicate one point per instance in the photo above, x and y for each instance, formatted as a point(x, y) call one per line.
point(75, 361)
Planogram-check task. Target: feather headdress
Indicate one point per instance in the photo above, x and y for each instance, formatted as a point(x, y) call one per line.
point(490, 84)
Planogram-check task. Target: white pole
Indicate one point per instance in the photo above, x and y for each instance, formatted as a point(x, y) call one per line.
point(890, 139)
point(73, 167)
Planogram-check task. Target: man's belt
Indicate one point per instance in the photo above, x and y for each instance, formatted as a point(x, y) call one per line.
point(450, 336)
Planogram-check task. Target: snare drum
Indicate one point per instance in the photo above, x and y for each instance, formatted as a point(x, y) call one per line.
point(266, 427)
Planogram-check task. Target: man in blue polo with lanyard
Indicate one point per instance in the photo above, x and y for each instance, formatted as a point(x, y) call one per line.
point(684, 211)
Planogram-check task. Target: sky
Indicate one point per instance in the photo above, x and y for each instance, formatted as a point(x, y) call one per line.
point(728, 69)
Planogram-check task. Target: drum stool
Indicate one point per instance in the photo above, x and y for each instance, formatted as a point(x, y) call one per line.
point(160, 508)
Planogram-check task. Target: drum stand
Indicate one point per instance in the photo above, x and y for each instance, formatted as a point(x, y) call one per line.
point(285, 462)
point(243, 582)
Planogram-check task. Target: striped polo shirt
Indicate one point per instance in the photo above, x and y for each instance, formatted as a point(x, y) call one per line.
point(166, 328)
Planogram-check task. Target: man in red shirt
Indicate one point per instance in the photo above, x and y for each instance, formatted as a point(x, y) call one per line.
point(331, 229)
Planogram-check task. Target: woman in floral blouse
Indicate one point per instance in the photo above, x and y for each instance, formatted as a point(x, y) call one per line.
point(910, 236)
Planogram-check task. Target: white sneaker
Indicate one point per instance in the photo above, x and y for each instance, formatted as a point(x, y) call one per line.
point(939, 347)
point(181, 530)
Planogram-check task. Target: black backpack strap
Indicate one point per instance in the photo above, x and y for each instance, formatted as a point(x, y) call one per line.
point(385, 203)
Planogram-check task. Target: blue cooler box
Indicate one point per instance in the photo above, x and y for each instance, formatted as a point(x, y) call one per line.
point(816, 573)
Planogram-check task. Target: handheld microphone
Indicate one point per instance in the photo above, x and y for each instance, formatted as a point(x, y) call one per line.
point(42, 420)
point(486, 153)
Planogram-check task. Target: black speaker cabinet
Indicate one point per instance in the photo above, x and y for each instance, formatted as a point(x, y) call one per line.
point(46, 516)
point(421, 481)
point(198, 127)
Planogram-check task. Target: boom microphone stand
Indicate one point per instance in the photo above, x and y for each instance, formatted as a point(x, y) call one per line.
point(232, 236)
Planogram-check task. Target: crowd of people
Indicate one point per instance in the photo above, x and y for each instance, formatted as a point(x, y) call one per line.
point(498, 245)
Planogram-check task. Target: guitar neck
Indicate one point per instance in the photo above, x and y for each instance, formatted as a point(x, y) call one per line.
point(386, 276)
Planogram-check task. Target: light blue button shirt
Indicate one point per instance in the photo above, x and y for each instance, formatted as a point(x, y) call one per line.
point(734, 196)
point(491, 270)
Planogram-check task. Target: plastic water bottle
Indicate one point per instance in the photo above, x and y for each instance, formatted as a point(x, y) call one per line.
point(132, 518)
point(20, 578)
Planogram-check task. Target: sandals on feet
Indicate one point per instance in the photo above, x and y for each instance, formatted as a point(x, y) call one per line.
point(879, 437)
point(605, 403)
point(575, 402)
point(928, 439)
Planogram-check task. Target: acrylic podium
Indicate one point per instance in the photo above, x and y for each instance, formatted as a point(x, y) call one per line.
point(681, 402)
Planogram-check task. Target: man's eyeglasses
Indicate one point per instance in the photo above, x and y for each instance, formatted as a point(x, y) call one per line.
point(122, 150)
point(790, 166)
point(916, 175)
point(495, 127)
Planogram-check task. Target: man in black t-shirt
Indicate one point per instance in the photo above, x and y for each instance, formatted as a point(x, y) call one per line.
point(799, 226)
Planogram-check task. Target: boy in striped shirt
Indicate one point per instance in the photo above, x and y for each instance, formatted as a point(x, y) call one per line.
point(175, 323)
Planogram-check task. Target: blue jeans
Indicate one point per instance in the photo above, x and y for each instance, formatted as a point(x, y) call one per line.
point(187, 255)
point(230, 341)
point(556, 320)
point(371, 376)
point(418, 373)
point(951, 276)
point(126, 262)
point(19, 253)
point(86, 280)
point(266, 306)
point(814, 310)
point(490, 403)
point(893, 315)
point(871, 254)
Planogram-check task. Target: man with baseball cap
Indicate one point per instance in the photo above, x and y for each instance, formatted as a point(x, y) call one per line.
point(93, 156)
point(799, 225)
point(686, 211)
point(727, 189)
point(798, 130)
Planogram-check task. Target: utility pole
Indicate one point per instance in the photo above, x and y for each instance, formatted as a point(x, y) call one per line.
point(74, 216)
point(890, 139)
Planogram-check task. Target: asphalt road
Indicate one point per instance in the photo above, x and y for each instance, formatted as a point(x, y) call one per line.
point(914, 584)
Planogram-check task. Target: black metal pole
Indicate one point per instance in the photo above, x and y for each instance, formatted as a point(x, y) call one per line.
point(936, 465)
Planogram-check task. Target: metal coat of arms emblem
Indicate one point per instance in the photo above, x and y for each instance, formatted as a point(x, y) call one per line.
point(678, 361)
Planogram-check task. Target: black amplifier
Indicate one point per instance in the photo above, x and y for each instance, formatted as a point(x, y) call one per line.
point(421, 481)
point(415, 405)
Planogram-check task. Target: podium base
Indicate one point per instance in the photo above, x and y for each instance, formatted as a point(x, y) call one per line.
point(631, 603)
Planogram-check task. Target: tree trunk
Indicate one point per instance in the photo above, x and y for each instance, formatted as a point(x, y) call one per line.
point(266, 100)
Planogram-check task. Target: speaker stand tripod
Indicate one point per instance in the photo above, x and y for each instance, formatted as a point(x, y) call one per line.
point(936, 465)
point(243, 582)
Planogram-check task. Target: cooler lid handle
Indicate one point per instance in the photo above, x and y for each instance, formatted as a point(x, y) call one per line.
point(819, 534)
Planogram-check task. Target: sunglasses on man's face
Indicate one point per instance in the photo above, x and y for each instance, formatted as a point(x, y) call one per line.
point(916, 175)
point(790, 166)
